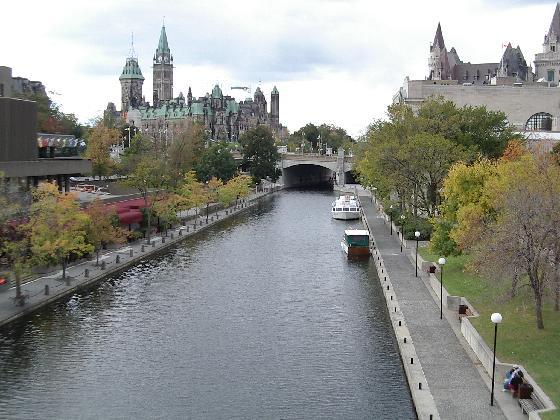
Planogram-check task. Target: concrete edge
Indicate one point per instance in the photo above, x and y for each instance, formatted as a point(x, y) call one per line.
point(418, 385)
point(93, 281)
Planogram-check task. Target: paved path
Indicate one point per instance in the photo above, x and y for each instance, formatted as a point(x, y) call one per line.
point(455, 382)
point(115, 261)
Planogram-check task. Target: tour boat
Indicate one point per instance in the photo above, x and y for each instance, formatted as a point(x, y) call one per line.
point(346, 207)
point(356, 243)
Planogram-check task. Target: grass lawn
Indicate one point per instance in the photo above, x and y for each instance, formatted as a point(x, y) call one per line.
point(519, 340)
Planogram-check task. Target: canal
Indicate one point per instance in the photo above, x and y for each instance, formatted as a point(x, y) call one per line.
point(260, 317)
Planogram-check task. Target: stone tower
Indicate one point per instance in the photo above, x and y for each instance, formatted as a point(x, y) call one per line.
point(438, 63)
point(275, 107)
point(547, 64)
point(131, 84)
point(163, 70)
point(260, 100)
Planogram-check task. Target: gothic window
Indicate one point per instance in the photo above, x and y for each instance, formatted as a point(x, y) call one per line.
point(550, 75)
point(541, 121)
point(466, 75)
point(553, 48)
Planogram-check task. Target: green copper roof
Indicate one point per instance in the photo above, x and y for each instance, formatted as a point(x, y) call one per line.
point(275, 91)
point(163, 46)
point(232, 106)
point(131, 70)
point(217, 92)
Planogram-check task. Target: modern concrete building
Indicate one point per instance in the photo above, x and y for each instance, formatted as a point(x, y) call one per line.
point(530, 101)
point(20, 163)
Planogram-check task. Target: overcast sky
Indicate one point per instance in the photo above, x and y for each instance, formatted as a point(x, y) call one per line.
point(333, 61)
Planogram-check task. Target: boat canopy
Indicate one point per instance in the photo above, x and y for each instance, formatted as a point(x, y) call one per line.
point(356, 232)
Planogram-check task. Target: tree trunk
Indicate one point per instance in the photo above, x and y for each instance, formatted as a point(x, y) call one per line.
point(149, 227)
point(19, 297)
point(97, 261)
point(557, 297)
point(64, 268)
point(538, 303)
point(207, 206)
point(514, 281)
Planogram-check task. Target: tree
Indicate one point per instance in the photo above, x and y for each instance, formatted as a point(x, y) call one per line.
point(309, 133)
point(260, 153)
point(212, 188)
point(192, 192)
point(166, 209)
point(100, 140)
point(186, 150)
point(525, 231)
point(216, 161)
point(58, 228)
point(101, 231)
point(150, 177)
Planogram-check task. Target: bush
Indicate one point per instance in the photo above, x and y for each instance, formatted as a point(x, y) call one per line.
point(413, 224)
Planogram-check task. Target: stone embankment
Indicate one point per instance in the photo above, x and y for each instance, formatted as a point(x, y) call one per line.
point(51, 288)
point(444, 377)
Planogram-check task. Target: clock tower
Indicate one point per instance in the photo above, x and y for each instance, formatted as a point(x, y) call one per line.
point(163, 70)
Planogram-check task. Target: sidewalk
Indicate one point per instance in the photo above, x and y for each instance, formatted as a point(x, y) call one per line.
point(454, 379)
point(86, 274)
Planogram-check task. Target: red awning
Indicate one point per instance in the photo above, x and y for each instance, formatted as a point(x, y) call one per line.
point(132, 216)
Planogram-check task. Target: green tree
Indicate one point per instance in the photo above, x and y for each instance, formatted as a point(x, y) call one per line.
point(260, 153)
point(216, 161)
point(58, 228)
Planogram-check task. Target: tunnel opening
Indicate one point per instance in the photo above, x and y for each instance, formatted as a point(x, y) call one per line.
point(350, 177)
point(308, 176)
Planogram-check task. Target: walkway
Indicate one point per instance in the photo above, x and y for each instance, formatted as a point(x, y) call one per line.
point(454, 381)
point(87, 273)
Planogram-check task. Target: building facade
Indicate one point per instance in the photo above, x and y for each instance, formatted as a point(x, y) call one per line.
point(531, 101)
point(14, 86)
point(223, 117)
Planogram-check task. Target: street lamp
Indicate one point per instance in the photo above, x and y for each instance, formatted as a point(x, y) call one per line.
point(441, 263)
point(402, 229)
point(391, 216)
point(496, 318)
point(417, 236)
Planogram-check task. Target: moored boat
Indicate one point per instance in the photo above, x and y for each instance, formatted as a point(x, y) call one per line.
point(346, 207)
point(356, 243)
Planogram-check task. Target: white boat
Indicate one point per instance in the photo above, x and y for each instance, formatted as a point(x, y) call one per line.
point(346, 207)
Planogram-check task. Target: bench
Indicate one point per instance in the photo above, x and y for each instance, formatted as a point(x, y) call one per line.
point(531, 404)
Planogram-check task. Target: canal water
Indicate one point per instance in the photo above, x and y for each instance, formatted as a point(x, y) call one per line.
point(260, 317)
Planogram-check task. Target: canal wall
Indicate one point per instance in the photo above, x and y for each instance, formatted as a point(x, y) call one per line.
point(419, 389)
point(42, 292)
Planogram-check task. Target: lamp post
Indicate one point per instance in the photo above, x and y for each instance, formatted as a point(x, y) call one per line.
point(496, 318)
point(441, 263)
point(417, 236)
point(402, 229)
point(391, 216)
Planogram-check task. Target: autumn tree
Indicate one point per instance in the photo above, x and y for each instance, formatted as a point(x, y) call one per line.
point(58, 227)
point(100, 140)
point(186, 150)
point(166, 209)
point(151, 178)
point(212, 189)
point(101, 231)
point(524, 232)
point(192, 192)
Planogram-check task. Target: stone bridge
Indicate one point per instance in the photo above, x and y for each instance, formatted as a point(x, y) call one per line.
point(316, 170)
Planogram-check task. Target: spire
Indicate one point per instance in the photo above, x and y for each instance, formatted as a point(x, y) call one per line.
point(132, 53)
point(438, 39)
point(274, 91)
point(555, 24)
point(163, 46)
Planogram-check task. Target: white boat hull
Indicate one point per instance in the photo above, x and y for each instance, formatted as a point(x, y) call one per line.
point(346, 215)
